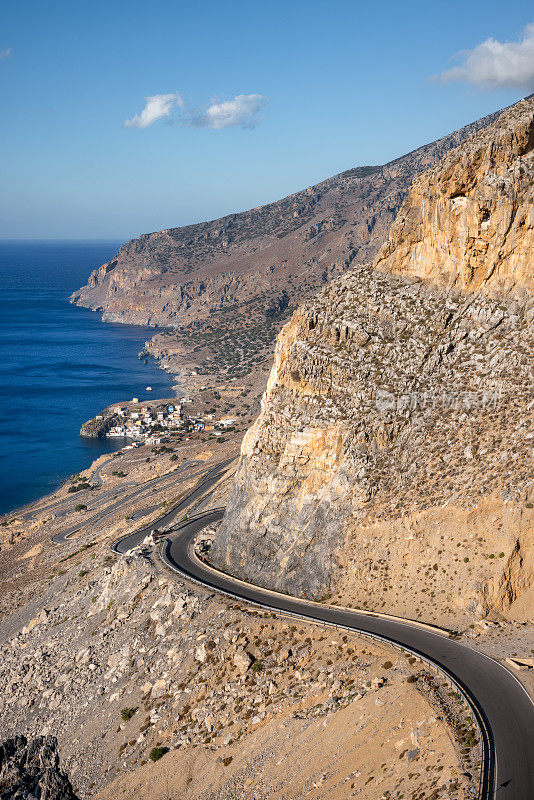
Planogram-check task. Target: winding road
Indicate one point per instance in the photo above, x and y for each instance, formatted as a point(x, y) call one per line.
point(505, 708)
point(173, 478)
point(95, 480)
point(132, 540)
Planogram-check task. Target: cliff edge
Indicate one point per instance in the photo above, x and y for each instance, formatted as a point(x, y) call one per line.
point(391, 464)
point(469, 222)
point(260, 261)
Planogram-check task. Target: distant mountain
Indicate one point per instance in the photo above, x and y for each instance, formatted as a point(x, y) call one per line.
point(263, 260)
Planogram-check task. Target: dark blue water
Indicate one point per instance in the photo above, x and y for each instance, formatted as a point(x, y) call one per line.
point(59, 365)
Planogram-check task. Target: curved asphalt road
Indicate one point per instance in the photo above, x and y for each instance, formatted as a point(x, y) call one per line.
point(95, 479)
point(66, 506)
point(500, 699)
point(134, 539)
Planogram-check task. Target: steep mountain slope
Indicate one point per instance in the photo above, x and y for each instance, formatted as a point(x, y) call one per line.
point(469, 221)
point(392, 459)
point(246, 269)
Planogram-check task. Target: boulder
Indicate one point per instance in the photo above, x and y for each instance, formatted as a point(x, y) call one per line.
point(242, 661)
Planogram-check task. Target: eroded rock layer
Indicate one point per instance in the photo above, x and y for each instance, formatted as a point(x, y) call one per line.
point(30, 769)
point(469, 222)
point(392, 459)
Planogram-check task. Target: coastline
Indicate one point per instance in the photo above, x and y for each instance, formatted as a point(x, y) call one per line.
point(60, 366)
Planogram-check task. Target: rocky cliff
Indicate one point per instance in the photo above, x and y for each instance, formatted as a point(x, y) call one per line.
point(391, 463)
point(469, 222)
point(30, 769)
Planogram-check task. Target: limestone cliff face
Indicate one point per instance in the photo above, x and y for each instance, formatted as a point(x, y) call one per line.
point(469, 222)
point(392, 459)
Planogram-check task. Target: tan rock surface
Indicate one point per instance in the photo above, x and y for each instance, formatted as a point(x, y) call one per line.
point(224, 287)
point(364, 750)
point(111, 666)
point(392, 459)
point(469, 221)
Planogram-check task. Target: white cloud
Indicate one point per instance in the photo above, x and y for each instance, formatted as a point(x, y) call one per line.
point(494, 64)
point(7, 53)
point(242, 111)
point(159, 106)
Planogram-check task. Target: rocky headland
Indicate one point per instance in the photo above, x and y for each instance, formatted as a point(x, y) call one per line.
point(222, 289)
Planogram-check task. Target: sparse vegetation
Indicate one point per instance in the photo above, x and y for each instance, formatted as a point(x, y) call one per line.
point(157, 752)
point(80, 487)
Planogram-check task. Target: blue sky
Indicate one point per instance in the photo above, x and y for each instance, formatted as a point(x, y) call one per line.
point(341, 84)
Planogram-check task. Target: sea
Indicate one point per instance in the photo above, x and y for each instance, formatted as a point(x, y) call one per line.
point(59, 366)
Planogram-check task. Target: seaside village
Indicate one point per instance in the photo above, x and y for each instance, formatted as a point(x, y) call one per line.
point(146, 424)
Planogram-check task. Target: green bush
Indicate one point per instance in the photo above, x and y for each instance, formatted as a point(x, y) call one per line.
point(79, 488)
point(127, 713)
point(157, 752)
point(80, 507)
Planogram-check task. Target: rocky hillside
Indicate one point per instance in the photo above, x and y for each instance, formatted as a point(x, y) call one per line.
point(156, 690)
point(265, 257)
point(391, 463)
